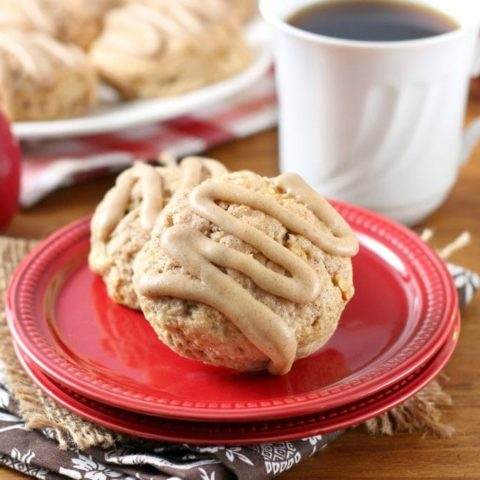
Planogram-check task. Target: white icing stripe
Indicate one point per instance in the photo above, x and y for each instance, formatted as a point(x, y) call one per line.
point(38, 17)
point(143, 29)
point(38, 55)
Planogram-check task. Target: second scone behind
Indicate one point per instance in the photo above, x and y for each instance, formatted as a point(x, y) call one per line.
point(123, 220)
point(246, 272)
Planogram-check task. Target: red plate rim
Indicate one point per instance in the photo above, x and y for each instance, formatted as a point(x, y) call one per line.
point(439, 316)
point(228, 434)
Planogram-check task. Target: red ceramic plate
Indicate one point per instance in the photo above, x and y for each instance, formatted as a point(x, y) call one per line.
point(202, 433)
point(402, 312)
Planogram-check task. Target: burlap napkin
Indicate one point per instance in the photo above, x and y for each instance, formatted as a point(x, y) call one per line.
point(43, 440)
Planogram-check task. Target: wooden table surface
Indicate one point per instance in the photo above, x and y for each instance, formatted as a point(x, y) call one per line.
point(355, 454)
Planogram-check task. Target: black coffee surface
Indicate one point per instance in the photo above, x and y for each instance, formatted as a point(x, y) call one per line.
point(372, 20)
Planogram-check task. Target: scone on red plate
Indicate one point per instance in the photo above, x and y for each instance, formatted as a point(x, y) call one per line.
point(123, 220)
point(70, 21)
point(158, 48)
point(246, 272)
point(43, 79)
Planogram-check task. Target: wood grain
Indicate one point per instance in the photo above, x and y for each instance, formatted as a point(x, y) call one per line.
point(355, 455)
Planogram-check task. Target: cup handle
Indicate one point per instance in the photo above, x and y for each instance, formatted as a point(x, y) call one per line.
point(471, 135)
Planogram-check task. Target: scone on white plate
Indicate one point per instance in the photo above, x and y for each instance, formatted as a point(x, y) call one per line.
point(69, 21)
point(43, 79)
point(158, 48)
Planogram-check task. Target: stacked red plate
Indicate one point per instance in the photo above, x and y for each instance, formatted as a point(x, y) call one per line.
point(104, 362)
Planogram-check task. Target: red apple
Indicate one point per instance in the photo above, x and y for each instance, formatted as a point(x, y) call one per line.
point(9, 173)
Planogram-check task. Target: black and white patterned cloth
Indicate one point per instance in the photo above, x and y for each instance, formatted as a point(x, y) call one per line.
point(36, 453)
point(466, 281)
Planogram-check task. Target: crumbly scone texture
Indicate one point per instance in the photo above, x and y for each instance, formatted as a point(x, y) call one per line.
point(69, 21)
point(185, 60)
point(199, 331)
point(113, 259)
point(54, 88)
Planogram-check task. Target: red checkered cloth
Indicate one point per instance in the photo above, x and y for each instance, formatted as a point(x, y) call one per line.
point(48, 165)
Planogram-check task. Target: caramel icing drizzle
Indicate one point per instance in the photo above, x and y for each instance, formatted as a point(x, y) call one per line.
point(116, 201)
point(192, 168)
point(201, 257)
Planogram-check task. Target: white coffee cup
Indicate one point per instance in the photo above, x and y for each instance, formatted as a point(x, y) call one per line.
point(377, 124)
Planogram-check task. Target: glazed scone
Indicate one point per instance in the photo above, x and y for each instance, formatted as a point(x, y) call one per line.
point(158, 48)
point(123, 220)
point(42, 79)
point(69, 21)
point(246, 272)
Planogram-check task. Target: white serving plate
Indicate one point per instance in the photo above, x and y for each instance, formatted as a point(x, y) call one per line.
point(111, 114)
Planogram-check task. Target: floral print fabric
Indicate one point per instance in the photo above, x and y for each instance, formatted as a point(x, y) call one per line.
point(36, 453)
